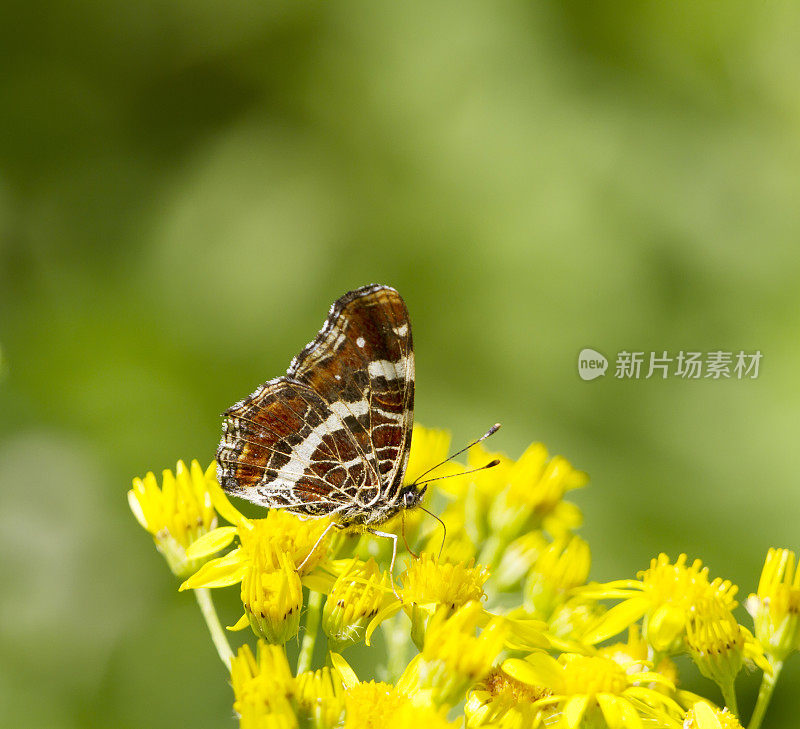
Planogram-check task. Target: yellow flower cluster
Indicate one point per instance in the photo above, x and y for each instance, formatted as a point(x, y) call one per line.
point(493, 626)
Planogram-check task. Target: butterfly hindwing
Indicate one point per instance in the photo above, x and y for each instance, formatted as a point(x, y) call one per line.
point(283, 448)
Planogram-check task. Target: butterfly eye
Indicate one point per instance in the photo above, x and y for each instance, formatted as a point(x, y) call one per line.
point(413, 497)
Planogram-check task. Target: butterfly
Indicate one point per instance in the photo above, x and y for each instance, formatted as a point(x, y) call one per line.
point(332, 437)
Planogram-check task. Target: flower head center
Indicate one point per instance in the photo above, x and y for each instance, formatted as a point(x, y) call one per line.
point(373, 705)
point(426, 581)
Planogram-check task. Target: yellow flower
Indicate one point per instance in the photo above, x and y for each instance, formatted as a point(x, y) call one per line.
point(382, 706)
point(178, 513)
point(489, 483)
point(261, 541)
point(776, 606)
point(265, 562)
point(518, 559)
point(429, 582)
point(262, 687)
point(502, 701)
point(429, 448)
point(356, 597)
point(666, 594)
point(320, 696)
point(704, 716)
point(272, 599)
point(719, 646)
point(453, 658)
point(374, 705)
point(533, 498)
point(633, 657)
point(559, 568)
point(569, 622)
point(590, 687)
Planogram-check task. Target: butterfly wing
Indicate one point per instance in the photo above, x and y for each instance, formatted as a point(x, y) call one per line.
point(283, 447)
point(363, 358)
point(334, 434)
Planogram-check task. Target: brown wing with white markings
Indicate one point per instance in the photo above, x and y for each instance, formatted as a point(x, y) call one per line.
point(333, 436)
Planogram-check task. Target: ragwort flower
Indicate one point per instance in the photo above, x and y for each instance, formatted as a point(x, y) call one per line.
point(559, 568)
point(266, 562)
point(263, 686)
point(591, 687)
point(430, 585)
point(177, 514)
point(453, 657)
point(320, 697)
point(704, 716)
point(261, 541)
point(357, 596)
point(665, 594)
point(720, 646)
point(776, 606)
point(378, 705)
point(502, 701)
point(533, 497)
point(272, 599)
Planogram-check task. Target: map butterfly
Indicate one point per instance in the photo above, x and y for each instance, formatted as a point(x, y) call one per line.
point(332, 437)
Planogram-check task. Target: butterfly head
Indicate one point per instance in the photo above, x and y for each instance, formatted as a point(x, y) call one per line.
point(412, 495)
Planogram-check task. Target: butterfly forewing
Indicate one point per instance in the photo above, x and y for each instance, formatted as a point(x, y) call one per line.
point(333, 436)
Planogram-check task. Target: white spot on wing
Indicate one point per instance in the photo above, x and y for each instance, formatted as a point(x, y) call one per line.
point(387, 369)
point(361, 341)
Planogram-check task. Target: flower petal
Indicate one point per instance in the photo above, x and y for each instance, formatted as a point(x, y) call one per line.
point(410, 680)
point(538, 669)
point(241, 623)
point(211, 543)
point(574, 709)
point(384, 614)
point(664, 626)
point(224, 507)
point(611, 711)
point(616, 620)
point(705, 717)
point(651, 697)
point(136, 508)
point(630, 717)
point(220, 572)
point(319, 582)
point(347, 674)
point(524, 634)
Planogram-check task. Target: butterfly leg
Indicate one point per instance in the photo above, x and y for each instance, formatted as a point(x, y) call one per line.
point(393, 537)
point(317, 543)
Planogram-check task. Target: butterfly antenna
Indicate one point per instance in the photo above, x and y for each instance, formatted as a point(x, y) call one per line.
point(489, 432)
point(491, 464)
point(444, 529)
point(403, 532)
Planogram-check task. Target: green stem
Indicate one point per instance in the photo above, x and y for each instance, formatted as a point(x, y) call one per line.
point(396, 644)
point(203, 595)
point(729, 696)
point(310, 632)
point(764, 695)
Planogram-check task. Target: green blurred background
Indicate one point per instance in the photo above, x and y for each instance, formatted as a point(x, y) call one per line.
point(186, 186)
